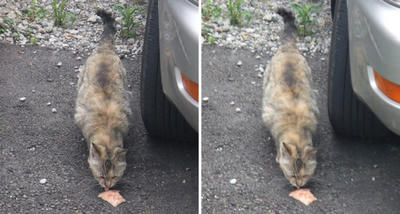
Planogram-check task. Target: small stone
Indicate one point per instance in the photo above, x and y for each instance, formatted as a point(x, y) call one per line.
point(43, 181)
point(184, 181)
point(48, 104)
point(22, 99)
point(205, 99)
point(187, 169)
point(233, 181)
point(59, 64)
point(373, 178)
point(232, 103)
point(260, 75)
point(238, 110)
point(239, 63)
point(375, 165)
point(78, 58)
point(71, 83)
point(54, 110)
point(49, 80)
point(253, 83)
point(92, 19)
point(258, 57)
point(33, 90)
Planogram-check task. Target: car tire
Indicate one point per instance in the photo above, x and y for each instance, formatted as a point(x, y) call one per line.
point(160, 117)
point(348, 115)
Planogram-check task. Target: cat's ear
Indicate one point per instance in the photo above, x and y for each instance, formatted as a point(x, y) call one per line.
point(289, 148)
point(310, 152)
point(97, 150)
point(119, 153)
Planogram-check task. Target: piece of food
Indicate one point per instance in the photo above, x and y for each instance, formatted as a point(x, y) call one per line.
point(113, 197)
point(304, 196)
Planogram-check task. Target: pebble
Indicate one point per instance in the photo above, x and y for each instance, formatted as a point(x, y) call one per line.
point(48, 104)
point(373, 178)
point(54, 110)
point(184, 181)
point(238, 110)
point(22, 99)
point(205, 99)
point(375, 165)
point(233, 181)
point(33, 90)
point(43, 181)
point(253, 83)
point(239, 63)
point(232, 103)
point(59, 64)
point(92, 19)
point(78, 58)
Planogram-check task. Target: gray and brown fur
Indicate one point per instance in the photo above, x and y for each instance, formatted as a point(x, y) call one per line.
point(289, 108)
point(102, 108)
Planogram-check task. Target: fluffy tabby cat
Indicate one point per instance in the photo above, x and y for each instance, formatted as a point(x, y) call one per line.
point(102, 108)
point(289, 108)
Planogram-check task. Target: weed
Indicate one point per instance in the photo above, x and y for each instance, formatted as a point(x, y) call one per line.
point(34, 11)
point(60, 14)
point(209, 10)
point(236, 12)
point(129, 25)
point(304, 17)
point(207, 34)
point(33, 40)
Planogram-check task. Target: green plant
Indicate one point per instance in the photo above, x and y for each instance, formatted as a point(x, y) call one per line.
point(207, 34)
point(33, 40)
point(304, 17)
point(34, 11)
point(60, 14)
point(209, 10)
point(236, 12)
point(9, 24)
point(129, 25)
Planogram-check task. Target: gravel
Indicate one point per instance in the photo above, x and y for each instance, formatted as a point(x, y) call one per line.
point(261, 35)
point(81, 37)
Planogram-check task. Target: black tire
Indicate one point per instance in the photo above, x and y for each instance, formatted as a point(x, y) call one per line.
point(348, 115)
point(333, 3)
point(160, 117)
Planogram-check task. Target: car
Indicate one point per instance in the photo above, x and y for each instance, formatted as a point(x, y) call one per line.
point(169, 92)
point(364, 75)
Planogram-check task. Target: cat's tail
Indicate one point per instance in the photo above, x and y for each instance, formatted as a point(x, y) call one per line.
point(289, 32)
point(108, 25)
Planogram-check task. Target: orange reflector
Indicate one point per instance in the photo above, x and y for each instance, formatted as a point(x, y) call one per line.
point(390, 89)
point(191, 87)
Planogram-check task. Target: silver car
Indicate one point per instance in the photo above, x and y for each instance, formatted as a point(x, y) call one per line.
point(364, 75)
point(169, 75)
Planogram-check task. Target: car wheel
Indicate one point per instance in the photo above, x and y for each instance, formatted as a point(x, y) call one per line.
point(348, 115)
point(160, 117)
point(333, 3)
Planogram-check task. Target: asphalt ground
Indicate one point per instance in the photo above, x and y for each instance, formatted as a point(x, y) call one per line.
point(35, 144)
point(352, 176)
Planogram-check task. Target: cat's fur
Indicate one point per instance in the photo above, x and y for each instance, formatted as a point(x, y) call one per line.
point(102, 108)
point(289, 107)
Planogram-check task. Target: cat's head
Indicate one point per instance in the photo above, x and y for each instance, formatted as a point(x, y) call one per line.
point(107, 166)
point(297, 164)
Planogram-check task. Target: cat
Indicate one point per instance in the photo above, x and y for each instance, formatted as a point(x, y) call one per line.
point(102, 108)
point(290, 111)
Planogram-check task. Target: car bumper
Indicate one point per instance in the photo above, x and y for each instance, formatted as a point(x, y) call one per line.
point(179, 24)
point(374, 44)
